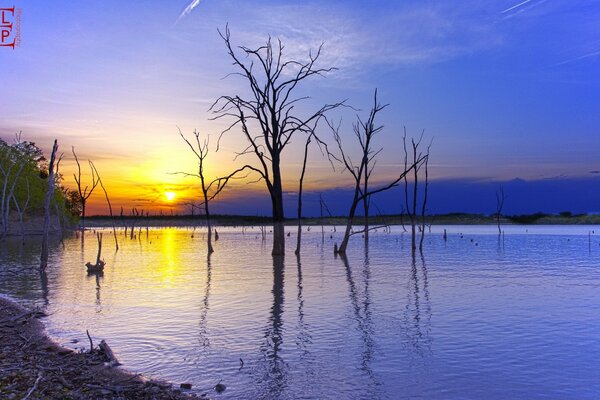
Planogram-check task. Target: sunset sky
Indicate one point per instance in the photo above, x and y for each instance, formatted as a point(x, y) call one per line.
point(507, 88)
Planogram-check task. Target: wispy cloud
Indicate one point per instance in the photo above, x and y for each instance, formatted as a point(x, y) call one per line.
point(188, 9)
point(428, 34)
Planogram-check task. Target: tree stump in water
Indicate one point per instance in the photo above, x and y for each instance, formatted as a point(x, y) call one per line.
point(99, 266)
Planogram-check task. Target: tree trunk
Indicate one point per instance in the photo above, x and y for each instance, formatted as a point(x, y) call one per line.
point(48, 198)
point(299, 237)
point(413, 217)
point(278, 216)
point(344, 244)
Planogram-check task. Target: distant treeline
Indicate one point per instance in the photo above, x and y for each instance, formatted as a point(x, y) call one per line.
point(397, 219)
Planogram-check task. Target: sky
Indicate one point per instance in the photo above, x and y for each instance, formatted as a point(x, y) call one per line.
point(506, 89)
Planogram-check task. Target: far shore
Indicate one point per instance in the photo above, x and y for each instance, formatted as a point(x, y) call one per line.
point(241, 220)
point(33, 226)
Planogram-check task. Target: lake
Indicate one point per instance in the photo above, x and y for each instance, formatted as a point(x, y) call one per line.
point(477, 316)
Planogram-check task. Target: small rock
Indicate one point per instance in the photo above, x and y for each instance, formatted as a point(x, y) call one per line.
point(186, 386)
point(220, 388)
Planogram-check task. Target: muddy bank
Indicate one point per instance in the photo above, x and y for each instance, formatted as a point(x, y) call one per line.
point(34, 367)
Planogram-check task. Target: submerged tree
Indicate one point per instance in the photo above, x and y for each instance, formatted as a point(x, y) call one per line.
point(86, 192)
point(268, 117)
point(412, 204)
point(52, 172)
point(499, 206)
point(364, 132)
point(211, 189)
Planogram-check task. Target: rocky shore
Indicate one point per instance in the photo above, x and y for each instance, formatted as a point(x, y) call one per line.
point(34, 367)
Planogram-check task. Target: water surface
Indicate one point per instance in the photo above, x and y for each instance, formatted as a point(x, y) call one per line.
point(477, 316)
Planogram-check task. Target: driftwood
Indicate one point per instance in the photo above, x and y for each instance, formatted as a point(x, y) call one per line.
point(108, 353)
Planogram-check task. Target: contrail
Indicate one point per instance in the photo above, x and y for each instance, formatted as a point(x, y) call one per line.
point(515, 6)
point(188, 9)
point(592, 54)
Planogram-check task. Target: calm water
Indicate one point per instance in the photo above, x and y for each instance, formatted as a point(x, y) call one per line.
point(475, 317)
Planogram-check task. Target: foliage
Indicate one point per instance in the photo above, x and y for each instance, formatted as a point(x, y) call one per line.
point(23, 183)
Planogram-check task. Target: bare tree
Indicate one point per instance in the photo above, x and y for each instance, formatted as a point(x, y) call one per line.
point(85, 193)
point(365, 132)
point(112, 219)
point(268, 118)
point(499, 206)
point(300, 184)
point(21, 208)
point(52, 173)
point(212, 189)
point(425, 196)
point(419, 159)
point(10, 179)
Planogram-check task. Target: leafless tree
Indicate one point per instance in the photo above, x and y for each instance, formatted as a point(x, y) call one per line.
point(10, 173)
point(21, 208)
point(412, 204)
point(211, 189)
point(86, 192)
point(425, 196)
point(499, 206)
point(365, 132)
point(52, 173)
point(268, 118)
point(112, 219)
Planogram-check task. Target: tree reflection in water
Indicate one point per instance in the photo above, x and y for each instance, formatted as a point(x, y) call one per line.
point(360, 303)
point(417, 312)
point(275, 375)
point(204, 337)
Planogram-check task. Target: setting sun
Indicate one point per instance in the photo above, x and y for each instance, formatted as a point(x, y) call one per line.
point(170, 196)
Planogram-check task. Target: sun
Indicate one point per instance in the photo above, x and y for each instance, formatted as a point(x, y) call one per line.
point(170, 196)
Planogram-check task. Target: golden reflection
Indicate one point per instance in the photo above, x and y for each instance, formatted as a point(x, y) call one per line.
point(166, 265)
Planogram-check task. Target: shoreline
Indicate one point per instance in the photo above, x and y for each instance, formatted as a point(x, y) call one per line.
point(33, 366)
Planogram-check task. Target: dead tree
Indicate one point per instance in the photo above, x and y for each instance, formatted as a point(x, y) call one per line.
point(268, 118)
point(85, 193)
point(411, 195)
point(499, 206)
point(364, 131)
point(49, 193)
point(300, 183)
point(425, 196)
point(21, 208)
point(10, 175)
point(212, 189)
point(112, 219)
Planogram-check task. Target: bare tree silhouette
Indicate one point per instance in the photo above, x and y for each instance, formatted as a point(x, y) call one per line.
point(268, 118)
point(499, 206)
point(52, 173)
point(86, 192)
point(419, 159)
point(211, 189)
point(364, 132)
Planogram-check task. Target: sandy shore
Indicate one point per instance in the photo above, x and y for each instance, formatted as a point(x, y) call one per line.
point(34, 367)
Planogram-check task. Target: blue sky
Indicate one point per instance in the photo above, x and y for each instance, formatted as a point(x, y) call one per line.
point(507, 89)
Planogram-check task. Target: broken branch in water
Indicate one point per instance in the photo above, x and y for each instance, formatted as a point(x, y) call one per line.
point(91, 342)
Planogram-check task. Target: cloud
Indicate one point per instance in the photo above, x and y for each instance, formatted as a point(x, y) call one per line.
point(358, 40)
